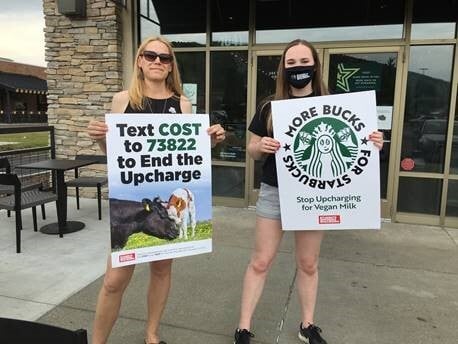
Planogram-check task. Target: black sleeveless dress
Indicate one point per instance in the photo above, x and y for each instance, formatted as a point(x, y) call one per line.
point(169, 105)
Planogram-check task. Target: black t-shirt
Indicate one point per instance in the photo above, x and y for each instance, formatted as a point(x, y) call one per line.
point(169, 105)
point(258, 126)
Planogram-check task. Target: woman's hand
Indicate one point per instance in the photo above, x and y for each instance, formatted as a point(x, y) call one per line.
point(377, 138)
point(97, 130)
point(217, 134)
point(268, 145)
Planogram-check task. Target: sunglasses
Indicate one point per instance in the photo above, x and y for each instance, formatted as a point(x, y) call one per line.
point(151, 56)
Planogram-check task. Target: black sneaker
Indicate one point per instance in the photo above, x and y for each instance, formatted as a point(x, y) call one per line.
point(242, 336)
point(311, 334)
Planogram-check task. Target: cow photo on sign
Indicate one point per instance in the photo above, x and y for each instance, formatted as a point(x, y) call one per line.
point(328, 170)
point(159, 176)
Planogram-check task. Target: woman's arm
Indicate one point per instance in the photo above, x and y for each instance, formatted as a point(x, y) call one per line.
point(97, 130)
point(377, 138)
point(185, 105)
point(259, 146)
point(217, 133)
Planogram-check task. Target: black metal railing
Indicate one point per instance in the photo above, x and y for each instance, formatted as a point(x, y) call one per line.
point(19, 117)
point(22, 156)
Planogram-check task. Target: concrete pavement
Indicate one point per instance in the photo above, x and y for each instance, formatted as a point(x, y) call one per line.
point(397, 285)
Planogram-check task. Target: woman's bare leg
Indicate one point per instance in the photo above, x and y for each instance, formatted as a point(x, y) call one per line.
point(109, 301)
point(158, 292)
point(267, 239)
point(308, 245)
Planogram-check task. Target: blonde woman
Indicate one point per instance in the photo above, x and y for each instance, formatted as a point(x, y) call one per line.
point(155, 88)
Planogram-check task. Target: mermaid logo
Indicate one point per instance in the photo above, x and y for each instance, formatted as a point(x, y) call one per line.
point(325, 148)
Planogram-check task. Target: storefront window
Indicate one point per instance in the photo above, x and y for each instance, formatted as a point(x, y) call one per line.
point(192, 72)
point(365, 72)
point(229, 22)
point(149, 23)
point(427, 108)
point(283, 21)
point(419, 195)
point(433, 22)
point(266, 76)
point(183, 23)
point(228, 92)
point(228, 181)
point(452, 198)
point(454, 158)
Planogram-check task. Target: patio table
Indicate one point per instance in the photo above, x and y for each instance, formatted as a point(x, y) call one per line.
point(59, 166)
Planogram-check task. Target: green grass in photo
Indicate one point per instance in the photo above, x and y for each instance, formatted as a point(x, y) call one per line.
point(203, 231)
point(24, 140)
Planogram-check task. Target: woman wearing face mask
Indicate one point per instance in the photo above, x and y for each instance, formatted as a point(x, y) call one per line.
point(298, 76)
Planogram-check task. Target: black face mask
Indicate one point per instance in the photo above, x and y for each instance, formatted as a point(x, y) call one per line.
point(299, 76)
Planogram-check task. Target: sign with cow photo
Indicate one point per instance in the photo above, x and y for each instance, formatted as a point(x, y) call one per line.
point(159, 182)
point(328, 170)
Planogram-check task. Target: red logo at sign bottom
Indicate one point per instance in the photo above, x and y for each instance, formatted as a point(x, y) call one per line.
point(328, 219)
point(126, 257)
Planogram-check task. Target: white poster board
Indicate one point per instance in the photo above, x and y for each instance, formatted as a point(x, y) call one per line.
point(328, 171)
point(159, 180)
point(384, 117)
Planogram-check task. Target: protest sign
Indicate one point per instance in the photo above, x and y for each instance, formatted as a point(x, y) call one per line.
point(328, 170)
point(159, 179)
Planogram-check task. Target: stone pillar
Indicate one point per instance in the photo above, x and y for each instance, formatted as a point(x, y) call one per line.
point(84, 71)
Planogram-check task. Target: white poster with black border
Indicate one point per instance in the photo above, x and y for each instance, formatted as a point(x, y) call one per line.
point(328, 170)
point(159, 184)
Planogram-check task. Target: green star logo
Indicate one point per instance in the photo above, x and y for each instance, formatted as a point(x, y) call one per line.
point(343, 75)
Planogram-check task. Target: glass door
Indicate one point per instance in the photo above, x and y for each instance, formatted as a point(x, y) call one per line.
point(264, 76)
point(362, 69)
point(264, 73)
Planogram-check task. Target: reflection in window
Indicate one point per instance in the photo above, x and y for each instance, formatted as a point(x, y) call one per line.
point(432, 22)
point(266, 76)
point(228, 91)
point(149, 23)
point(229, 22)
point(369, 71)
point(296, 18)
point(192, 72)
point(419, 195)
point(228, 181)
point(454, 157)
point(427, 107)
point(183, 23)
point(452, 199)
point(148, 29)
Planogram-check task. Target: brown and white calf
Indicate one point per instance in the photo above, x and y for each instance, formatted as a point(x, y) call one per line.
point(180, 208)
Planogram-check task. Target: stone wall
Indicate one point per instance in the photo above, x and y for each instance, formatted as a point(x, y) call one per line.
point(84, 71)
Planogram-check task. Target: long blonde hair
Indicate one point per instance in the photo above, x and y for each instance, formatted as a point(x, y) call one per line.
point(137, 84)
point(282, 87)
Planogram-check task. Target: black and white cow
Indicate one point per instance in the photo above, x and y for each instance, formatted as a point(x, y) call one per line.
point(149, 217)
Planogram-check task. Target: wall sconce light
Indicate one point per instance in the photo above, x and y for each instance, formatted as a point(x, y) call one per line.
point(72, 8)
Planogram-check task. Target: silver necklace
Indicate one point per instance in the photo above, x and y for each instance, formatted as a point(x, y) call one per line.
point(150, 107)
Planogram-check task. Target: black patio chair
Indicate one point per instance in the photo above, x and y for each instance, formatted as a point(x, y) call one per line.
point(9, 189)
point(22, 200)
point(98, 182)
point(26, 332)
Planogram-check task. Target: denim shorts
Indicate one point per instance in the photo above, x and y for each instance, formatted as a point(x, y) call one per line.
point(268, 204)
